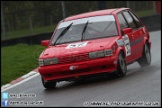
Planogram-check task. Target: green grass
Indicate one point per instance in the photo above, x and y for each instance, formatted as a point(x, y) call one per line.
point(18, 60)
point(27, 32)
point(145, 13)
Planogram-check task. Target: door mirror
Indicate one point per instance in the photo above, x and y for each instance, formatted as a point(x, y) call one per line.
point(127, 30)
point(45, 42)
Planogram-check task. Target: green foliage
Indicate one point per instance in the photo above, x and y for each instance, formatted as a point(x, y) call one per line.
point(18, 60)
point(144, 13)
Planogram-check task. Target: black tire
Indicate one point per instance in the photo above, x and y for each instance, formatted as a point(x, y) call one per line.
point(145, 60)
point(48, 85)
point(122, 67)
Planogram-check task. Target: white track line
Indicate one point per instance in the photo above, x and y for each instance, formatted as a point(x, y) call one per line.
point(18, 83)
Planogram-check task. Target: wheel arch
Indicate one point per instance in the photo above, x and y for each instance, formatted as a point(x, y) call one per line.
point(146, 41)
point(120, 49)
point(120, 72)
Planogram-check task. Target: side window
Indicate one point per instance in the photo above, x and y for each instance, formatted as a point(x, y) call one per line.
point(138, 23)
point(129, 19)
point(122, 22)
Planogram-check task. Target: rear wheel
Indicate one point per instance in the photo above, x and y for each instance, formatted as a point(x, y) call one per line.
point(122, 67)
point(145, 60)
point(47, 84)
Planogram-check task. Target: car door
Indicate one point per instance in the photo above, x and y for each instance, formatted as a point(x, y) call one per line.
point(140, 35)
point(129, 36)
point(134, 35)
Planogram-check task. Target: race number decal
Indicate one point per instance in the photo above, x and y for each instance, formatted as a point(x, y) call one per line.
point(75, 45)
point(127, 45)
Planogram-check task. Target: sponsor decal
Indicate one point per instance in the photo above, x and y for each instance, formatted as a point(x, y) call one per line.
point(73, 67)
point(127, 45)
point(76, 45)
point(137, 41)
point(144, 29)
point(120, 42)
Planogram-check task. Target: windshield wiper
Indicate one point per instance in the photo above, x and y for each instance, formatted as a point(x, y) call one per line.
point(62, 33)
point(84, 30)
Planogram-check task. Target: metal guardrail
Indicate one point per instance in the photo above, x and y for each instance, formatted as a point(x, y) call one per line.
point(151, 22)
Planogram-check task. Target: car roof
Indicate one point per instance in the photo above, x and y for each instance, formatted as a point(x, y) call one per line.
point(95, 13)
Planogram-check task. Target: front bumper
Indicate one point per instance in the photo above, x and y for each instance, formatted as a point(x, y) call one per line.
point(64, 71)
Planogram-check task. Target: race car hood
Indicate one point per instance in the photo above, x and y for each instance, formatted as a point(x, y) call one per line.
point(78, 47)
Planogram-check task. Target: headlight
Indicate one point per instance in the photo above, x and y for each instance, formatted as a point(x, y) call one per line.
point(108, 52)
point(96, 54)
point(40, 62)
point(99, 54)
point(50, 61)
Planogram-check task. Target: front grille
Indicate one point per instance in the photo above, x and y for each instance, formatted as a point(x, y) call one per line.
point(73, 58)
point(75, 72)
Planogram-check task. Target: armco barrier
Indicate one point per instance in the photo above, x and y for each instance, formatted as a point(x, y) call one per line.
point(152, 23)
point(31, 40)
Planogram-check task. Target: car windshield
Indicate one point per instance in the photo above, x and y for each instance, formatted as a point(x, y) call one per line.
point(85, 29)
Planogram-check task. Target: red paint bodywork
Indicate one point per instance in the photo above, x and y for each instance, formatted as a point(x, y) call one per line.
point(83, 65)
point(45, 43)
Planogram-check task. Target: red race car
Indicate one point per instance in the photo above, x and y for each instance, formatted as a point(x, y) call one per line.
point(95, 42)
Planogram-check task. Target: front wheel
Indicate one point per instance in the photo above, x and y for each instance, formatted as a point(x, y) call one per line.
point(122, 67)
point(145, 60)
point(48, 85)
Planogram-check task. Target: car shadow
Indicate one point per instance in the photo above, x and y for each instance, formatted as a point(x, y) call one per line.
point(105, 78)
point(85, 82)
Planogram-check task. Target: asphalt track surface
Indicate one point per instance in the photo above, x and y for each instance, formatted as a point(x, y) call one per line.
point(141, 86)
